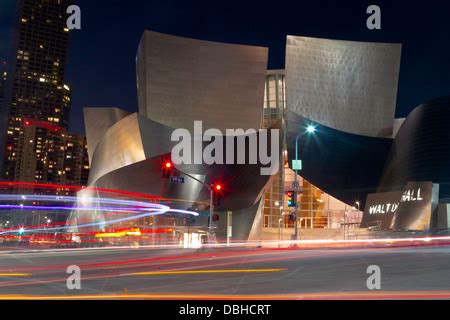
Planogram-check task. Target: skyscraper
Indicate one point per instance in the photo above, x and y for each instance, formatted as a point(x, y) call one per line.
point(49, 154)
point(2, 79)
point(35, 87)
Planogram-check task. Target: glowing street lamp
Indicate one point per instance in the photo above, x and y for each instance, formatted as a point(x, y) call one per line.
point(311, 129)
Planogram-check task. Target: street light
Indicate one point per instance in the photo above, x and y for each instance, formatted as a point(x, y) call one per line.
point(310, 130)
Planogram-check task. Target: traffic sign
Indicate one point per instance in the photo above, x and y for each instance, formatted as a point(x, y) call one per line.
point(179, 180)
point(297, 165)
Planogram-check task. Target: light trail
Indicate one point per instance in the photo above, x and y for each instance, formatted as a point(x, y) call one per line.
point(190, 272)
point(388, 295)
point(71, 199)
point(33, 185)
point(39, 208)
point(139, 209)
point(15, 274)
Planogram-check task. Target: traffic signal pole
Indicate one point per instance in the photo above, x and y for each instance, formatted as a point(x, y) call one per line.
point(211, 201)
point(211, 213)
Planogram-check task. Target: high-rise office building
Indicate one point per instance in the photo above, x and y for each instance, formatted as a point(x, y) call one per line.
point(3, 74)
point(35, 87)
point(50, 154)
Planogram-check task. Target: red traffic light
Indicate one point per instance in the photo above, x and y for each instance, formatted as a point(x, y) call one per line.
point(218, 187)
point(167, 169)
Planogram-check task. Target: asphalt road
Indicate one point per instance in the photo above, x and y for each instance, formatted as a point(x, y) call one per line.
point(419, 272)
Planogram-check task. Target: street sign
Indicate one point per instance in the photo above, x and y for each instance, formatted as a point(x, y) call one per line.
point(297, 165)
point(179, 180)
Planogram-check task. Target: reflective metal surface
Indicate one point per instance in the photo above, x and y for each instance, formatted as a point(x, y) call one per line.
point(181, 80)
point(339, 83)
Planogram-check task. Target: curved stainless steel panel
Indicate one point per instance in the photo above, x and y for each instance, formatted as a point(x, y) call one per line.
point(339, 83)
point(181, 80)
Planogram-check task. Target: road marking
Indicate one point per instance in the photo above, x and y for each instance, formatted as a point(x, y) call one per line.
point(294, 296)
point(156, 273)
point(15, 274)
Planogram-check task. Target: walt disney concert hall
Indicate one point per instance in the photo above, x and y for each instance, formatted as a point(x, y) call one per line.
point(398, 169)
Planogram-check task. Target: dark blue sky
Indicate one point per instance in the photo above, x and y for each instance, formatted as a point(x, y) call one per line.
point(101, 67)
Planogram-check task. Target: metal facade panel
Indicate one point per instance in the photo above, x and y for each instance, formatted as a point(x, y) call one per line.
point(181, 80)
point(97, 121)
point(345, 85)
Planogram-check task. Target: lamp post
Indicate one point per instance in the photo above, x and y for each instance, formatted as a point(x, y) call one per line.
point(310, 129)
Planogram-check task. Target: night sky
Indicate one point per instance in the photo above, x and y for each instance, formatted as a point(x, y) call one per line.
point(101, 66)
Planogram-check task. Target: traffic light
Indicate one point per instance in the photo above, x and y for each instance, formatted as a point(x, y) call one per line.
point(167, 169)
point(291, 199)
point(217, 191)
